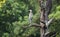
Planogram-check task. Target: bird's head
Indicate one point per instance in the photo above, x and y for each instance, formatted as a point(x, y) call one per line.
point(30, 10)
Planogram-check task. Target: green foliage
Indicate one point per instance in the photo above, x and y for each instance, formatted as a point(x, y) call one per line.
point(14, 15)
point(55, 25)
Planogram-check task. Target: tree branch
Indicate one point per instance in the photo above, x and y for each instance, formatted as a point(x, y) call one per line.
point(49, 34)
point(34, 24)
point(48, 23)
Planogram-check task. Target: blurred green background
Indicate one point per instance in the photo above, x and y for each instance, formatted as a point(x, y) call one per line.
point(14, 15)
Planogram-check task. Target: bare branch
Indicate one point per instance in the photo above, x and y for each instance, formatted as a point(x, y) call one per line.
point(34, 24)
point(48, 23)
point(49, 34)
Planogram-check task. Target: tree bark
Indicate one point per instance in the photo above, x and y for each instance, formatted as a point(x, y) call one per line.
point(45, 9)
point(42, 18)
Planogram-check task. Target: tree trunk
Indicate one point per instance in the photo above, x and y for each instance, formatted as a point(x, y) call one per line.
point(42, 18)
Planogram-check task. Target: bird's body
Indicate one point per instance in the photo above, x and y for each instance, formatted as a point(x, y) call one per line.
point(30, 16)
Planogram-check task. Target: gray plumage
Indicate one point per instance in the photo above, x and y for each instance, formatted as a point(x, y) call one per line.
point(30, 16)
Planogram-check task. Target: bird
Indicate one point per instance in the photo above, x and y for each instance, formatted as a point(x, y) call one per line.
point(30, 16)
